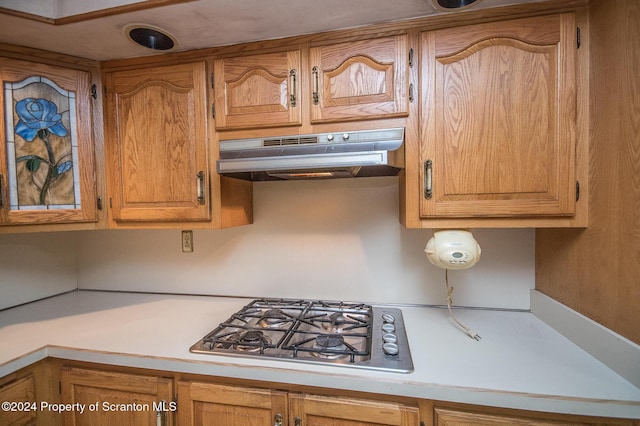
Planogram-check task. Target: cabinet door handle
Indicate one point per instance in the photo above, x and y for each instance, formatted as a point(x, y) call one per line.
point(428, 179)
point(315, 96)
point(297, 421)
point(292, 78)
point(160, 414)
point(277, 420)
point(201, 187)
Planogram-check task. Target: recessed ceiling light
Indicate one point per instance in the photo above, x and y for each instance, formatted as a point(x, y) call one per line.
point(150, 37)
point(454, 4)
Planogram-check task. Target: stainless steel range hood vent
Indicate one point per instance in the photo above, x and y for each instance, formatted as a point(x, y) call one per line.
point(318, 156)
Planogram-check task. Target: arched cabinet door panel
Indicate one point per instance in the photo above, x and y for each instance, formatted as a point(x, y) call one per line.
point(498, 120)
point(156, 144)
point(360, 80)
point(256, 91)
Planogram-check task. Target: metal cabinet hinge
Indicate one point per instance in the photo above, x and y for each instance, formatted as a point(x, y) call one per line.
point(411, 57)
point(578, 38)
point(99, 203)
point(94, 91)
point(213, 110)
point(212, 85)
point(411, 93)
point(577, 190)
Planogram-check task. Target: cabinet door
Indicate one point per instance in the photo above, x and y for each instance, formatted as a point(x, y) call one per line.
point(498, 121)
point(309, 410)
point(157, 144)
point(109, 398)
point(47, 164)
point(257, 90)
point(206, 404)
point(22, 393)
point(360, 80)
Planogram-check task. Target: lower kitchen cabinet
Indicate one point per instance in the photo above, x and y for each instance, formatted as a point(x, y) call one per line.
point(313, 410)
point(113, 398)
point(126, 396)
point(212, 404)
point(208, 403)
point(460, 415)
point(20, 394)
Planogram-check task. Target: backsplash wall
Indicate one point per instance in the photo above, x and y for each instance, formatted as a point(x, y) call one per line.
point(337, 239)
point(34, 266)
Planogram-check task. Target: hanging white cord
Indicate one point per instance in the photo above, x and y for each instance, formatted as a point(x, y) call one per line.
point(466, 329)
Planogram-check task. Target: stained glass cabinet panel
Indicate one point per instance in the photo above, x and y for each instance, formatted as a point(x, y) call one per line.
point(47, 160)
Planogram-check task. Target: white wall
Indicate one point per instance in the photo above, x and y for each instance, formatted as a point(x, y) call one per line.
point(337, 239)
point(34, 266)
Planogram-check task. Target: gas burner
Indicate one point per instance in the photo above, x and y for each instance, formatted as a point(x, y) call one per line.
point(274, 318)
point(335, 323)
point(252, 341)
point(330, 346)
point(332, 341)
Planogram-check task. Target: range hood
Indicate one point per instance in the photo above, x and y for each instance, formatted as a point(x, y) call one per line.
point(323, 155)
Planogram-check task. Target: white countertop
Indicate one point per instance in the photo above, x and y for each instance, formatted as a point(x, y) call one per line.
point(521, 362)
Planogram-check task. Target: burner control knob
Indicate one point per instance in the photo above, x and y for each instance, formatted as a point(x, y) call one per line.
point(388, 318)
point(390, 338)
point(388, 327)
point(390, 348)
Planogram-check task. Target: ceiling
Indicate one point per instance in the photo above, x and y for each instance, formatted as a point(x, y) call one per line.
point(200, 23)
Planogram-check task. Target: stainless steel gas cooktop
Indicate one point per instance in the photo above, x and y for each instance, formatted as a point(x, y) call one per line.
point(315, 331)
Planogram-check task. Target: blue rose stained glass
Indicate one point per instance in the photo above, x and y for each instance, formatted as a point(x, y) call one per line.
point(41, 135)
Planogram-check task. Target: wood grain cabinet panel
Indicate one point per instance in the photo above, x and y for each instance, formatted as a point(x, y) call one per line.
point(313, 410)
point(474, 417)
point(119, 398)
point(21, 393)
point(260, 90)
point(47, 158)
point(360, 80)
point(204, 404)
point(498, 120)
point(157, 145)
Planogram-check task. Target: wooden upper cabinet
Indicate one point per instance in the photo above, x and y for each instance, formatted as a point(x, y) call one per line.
point(258, 90)
point(156, 144)
point(359, 80)
point(312, 410)
point(47, 159)
point(203, 404)
point(498, 119)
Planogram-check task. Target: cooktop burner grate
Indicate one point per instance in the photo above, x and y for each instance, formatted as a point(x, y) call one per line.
point(316, 331)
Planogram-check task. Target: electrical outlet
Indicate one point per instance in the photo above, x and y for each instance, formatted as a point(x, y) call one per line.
point(187, 241)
